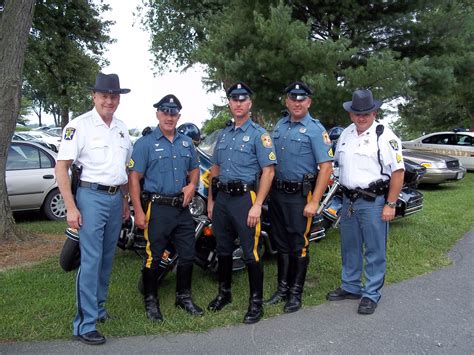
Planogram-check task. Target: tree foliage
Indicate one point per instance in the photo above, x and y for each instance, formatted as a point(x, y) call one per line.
point(64, 54)
point(335, 46)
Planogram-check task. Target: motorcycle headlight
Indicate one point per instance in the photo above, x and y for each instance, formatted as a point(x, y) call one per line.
point(197, 206)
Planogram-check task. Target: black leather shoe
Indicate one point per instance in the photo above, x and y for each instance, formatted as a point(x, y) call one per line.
point(366, 306)
point(152, 309)
point(91, 338)
point(254, 312)
point(339, 294)
point(219, 302)
point(185, 302)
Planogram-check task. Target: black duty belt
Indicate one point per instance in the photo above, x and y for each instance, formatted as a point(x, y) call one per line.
point(235, 187)
point(173, 201)
point(366, 194)
point(289, 186)
point(110, 189)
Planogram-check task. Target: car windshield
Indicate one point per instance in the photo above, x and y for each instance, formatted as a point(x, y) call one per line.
point(207, 145)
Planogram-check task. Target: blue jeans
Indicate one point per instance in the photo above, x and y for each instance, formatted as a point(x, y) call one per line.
point(363, 238)
point(101, 223)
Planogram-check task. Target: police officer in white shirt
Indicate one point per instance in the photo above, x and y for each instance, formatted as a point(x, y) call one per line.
point(99, 143)
point(371, 173)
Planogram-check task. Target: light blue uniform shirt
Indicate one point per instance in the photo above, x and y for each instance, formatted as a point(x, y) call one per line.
point(300, 147)
point(164, 164)
point(242, 152)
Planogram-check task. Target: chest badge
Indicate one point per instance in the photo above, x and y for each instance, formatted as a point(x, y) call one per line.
point(302, 130)
point(185, 144)
point(246, 138)
point(121, 134)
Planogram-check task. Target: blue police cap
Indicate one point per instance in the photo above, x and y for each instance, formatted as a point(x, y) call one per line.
point(169, 104)
point(298, 91)
point(239, 91)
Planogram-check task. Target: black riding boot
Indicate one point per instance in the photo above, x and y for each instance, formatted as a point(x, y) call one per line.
point(224, 271)
point(184, 275)
point(296, 290)
point(255, 310)
point(150, 291)
point(281, 294)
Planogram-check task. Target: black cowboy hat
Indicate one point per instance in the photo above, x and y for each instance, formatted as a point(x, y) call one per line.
point(362, 102)
point(108, 83)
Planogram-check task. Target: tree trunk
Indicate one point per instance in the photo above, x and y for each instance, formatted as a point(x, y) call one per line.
point(15, 24)
point(64, 116)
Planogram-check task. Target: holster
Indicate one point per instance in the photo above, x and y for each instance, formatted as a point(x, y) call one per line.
point(309, 182)
point(215, 189)
point(76, 172)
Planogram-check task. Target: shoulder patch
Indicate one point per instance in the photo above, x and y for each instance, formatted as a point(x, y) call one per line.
point(69, 133)
point(131, 164)
point(326, 138)
point(266, 140)
point(272, 156)
point(394, 144)
point(330, 153)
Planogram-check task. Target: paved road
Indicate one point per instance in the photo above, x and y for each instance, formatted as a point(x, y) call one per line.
point(431, 314)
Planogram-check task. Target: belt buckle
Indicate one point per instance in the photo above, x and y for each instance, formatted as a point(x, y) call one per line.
point(112, 190)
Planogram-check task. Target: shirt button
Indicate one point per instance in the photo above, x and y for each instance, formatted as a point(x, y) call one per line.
point(174, 156)
point(228, 158)
point(230, 148)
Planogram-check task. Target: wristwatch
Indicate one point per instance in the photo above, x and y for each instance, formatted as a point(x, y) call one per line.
point(391, 204)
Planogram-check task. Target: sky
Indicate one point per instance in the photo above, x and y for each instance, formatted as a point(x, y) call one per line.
point(130, 59)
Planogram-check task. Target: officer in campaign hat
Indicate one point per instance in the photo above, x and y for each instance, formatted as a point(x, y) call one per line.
point(304, 167)
point(166, 162)
point(371, 171)
point(244, 150)
point(99, 143)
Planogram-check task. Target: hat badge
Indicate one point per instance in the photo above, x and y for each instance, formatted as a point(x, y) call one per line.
point(239, 86)
point(171, 100)
point(297, 86)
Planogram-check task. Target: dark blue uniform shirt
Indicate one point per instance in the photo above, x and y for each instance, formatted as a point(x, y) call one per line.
point(242, 152)
point(300, 147)
point(164, 164)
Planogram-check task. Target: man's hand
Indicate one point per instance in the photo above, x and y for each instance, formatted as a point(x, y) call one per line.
point(188, 191)
point(388, 213)
point(310, 209)
point(140, 220)
point(74, 218)
point(254, 215)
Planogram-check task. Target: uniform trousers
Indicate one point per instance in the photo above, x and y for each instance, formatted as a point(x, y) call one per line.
point(289, 227)
point(167, 223)
point(229, 221)
point(363, 238)
point(101, 223)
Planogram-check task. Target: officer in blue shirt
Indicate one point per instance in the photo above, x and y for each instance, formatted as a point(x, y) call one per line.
point(167, 162)
point(304, 167)
point(243, 151)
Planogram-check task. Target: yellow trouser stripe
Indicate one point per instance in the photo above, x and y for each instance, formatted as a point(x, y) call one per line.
point(309, 222)
point(149, 258)
point(258, 227)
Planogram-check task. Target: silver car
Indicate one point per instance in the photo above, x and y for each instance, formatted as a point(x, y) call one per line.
point(31, 183)
point(458, 144)
point(439, 168)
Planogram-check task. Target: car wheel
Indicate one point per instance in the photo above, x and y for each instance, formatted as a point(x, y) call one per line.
point(54, 207)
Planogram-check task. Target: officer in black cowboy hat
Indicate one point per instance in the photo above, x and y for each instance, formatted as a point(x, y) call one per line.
point(166, 160)
point(99, 143)
point(371, 173)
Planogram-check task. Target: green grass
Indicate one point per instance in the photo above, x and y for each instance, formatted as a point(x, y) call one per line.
point(37, 303)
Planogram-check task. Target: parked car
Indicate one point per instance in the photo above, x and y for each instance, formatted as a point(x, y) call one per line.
point(46, 137)
point(439, 168)
point(24, 136)
point(55, 131)
point(31, 183)
point(458, 144)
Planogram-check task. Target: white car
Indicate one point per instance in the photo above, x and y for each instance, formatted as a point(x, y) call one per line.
point(458, 144)
point(31, 182)
point(46, 137)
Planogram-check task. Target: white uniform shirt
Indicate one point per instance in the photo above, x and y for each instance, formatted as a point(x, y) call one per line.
point(102, 151)
point(357, 156)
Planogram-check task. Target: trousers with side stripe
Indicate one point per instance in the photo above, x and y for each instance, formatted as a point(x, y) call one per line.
point(101, 223)
point(289, 226)
point(229, 221)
